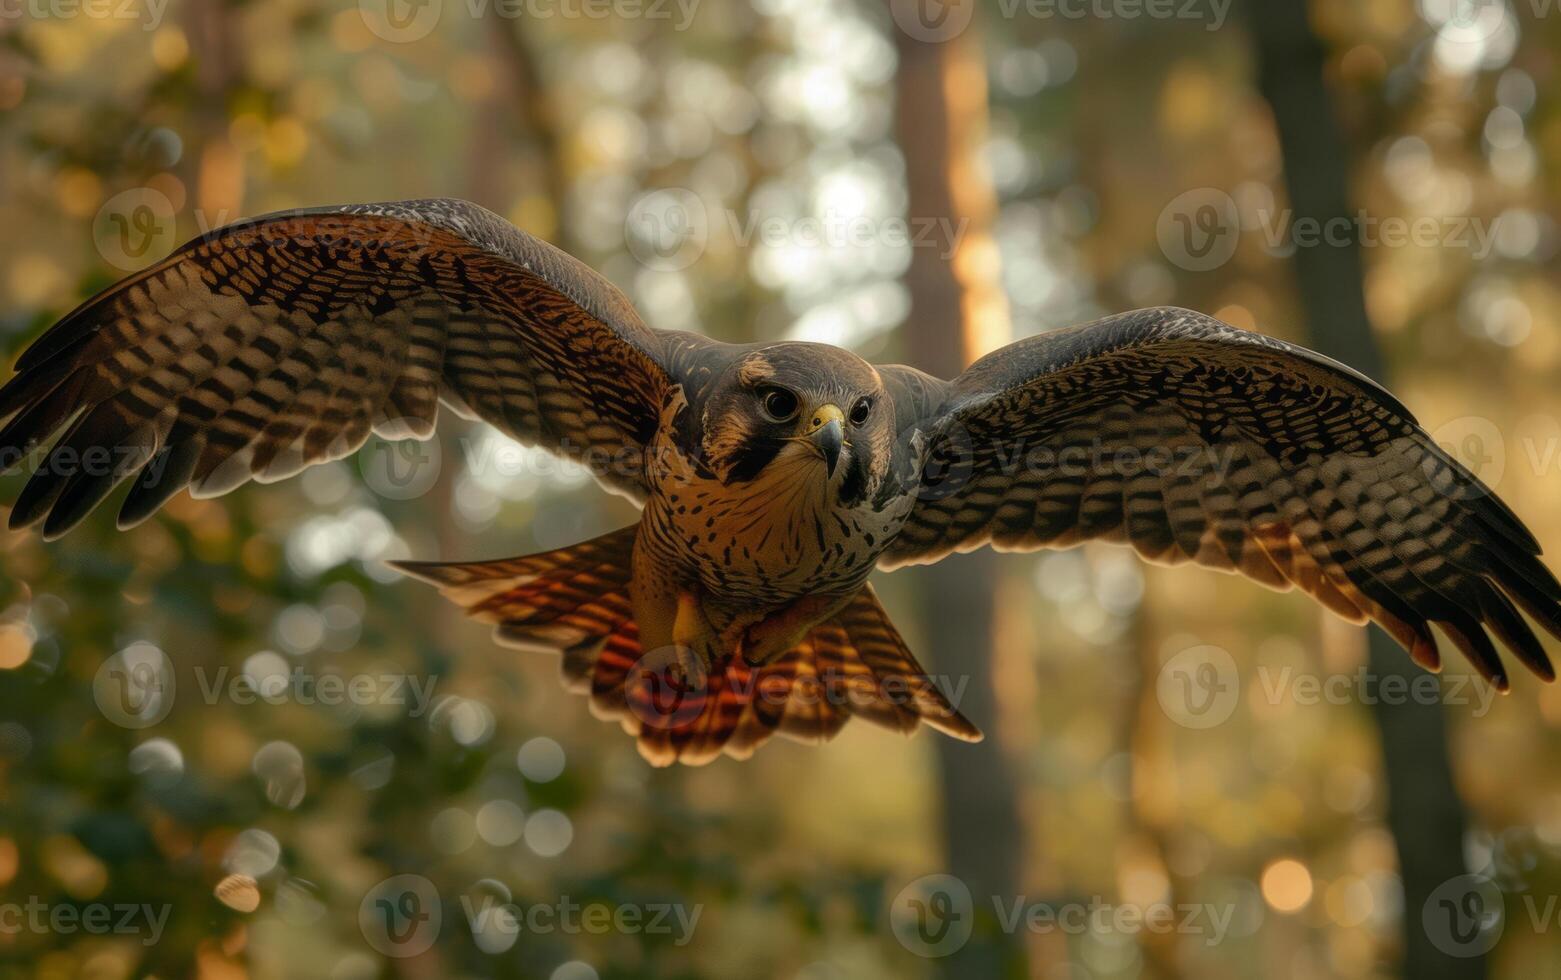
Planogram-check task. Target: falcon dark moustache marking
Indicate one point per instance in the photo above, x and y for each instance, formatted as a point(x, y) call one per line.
point(773, 478)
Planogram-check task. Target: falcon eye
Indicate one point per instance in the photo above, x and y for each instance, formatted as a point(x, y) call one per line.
point(860, 411)
point(779, 404)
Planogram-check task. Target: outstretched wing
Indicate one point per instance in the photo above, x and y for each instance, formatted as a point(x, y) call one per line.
point(1192, 440)
point(282, 341)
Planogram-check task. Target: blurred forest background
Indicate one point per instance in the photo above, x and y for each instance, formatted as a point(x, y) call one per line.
point(915, 181)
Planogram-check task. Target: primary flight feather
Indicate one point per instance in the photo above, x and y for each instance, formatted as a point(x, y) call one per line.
point(773, 477)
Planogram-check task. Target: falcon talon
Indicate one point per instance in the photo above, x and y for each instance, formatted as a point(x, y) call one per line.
point(198, 373)
point(759, 653)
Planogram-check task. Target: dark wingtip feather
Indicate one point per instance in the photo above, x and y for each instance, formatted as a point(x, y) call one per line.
point(164, 475)
point(1544, 610)
point(37, 496)
point(1469, 637)
point(29, 387)
point(1492, 511)
point(1417, 641)
point(1508, 625)
point(41, 407)
point(81, 324)
point(76, 499)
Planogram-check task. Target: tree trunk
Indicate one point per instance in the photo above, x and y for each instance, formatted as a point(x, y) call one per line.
point(1424, 812)
point(523, 105)
point(957, 314)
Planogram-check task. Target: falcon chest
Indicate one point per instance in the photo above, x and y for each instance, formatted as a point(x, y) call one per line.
point(772, 539)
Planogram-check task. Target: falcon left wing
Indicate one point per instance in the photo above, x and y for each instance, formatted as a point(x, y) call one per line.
point(283, 341)
point(1192, 440)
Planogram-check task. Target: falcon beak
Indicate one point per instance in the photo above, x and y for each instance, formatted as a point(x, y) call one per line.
point(827, 432)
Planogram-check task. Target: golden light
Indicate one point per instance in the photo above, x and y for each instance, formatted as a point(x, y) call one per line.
point(473, 78)
point(1190, 101)
point(79, 191)
point(286, 141)
point(378, 83)
point(12, 88)
point(16, 645)
point(313, 98)
point(10, 860)
point(536, 214)
point(273, 62)
point(1550, 705)
point(73, 866)
point(1237, 316)
point(34, 278)
point(1362, 63)
point(1142, 880)
point(170, 187)
point(247, 131)
point(220, 187)
point(113, 962)
point(1287, 885)
point(1349, 901)
point(170, 48)
point(61, 49)
point(350, 33)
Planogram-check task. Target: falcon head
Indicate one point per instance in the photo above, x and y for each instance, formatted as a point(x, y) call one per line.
point(804, 411)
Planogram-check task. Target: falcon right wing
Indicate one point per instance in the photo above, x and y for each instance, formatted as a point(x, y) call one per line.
point(1192, 440)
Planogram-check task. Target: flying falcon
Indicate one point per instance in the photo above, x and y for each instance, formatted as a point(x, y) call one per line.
point(773, 478)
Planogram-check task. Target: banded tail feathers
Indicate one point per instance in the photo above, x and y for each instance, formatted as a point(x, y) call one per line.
point(575, 601)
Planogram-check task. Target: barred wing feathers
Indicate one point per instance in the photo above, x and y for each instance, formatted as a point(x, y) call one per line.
point(282, 341)
point(1192, 440)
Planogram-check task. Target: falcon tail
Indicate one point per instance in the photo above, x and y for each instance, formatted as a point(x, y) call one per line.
point(576, 601)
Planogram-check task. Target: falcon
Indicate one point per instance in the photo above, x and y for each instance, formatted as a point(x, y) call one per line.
point(773, 478)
